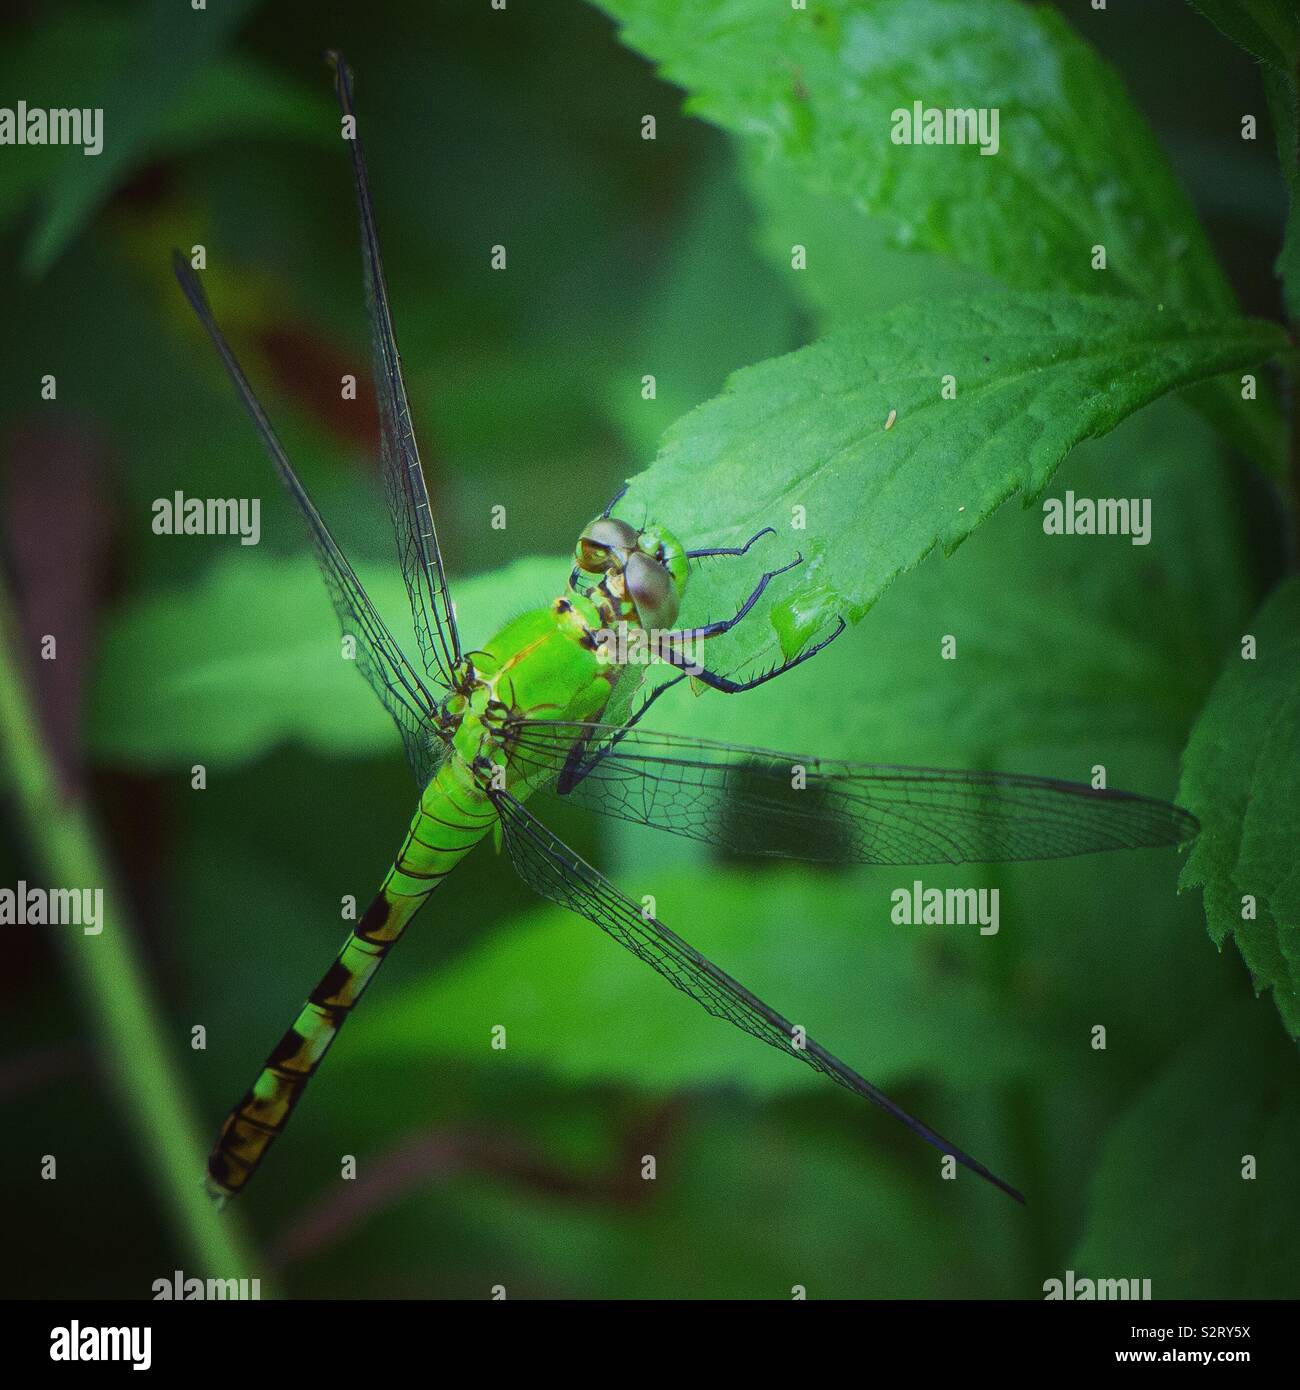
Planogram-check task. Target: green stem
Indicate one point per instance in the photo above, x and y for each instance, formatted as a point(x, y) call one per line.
point(133, 1043)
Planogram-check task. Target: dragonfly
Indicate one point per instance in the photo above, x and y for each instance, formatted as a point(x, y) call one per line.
point(532, 711)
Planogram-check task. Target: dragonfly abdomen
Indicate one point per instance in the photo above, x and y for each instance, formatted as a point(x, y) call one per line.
point(453, 816)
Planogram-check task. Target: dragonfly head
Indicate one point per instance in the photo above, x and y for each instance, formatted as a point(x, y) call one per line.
point(650, 562)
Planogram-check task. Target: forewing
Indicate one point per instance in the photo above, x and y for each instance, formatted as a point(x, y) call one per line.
point(552, 869)
point(408, 497)
point(752, 800)
point(379, 658)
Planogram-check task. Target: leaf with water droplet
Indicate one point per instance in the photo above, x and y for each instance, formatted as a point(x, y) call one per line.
point(799, 618)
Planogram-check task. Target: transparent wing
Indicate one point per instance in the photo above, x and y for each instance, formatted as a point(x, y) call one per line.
point(379, 658)
point(408, 497)
point(754, 801)
point(552, 869)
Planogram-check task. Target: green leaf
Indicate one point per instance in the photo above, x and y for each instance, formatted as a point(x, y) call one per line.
point(1241, 770)
point(250, 658)
point(811, 94)
point(1270, 29)
point(1134, 634)
point(1170, 1201)
point(853, 430)
point(816, 89)
point(823, 950)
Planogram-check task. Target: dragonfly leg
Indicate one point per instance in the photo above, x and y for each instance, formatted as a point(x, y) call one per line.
point(734, 687)
point(694, 634)
point(578, 764)
point(732, 549)
point(616, 499)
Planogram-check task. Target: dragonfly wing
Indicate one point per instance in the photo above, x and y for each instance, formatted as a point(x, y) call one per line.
point(552, 869)
point(752, 800)
point(379, 658)
point(408, 497)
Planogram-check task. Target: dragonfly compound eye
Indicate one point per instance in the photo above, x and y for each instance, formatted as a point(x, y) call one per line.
point(604, 545)
point(651, 588)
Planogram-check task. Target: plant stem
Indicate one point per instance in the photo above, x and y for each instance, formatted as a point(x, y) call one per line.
point(133, 1043)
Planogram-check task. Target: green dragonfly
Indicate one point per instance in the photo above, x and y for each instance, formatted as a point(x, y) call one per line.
point(483, 729)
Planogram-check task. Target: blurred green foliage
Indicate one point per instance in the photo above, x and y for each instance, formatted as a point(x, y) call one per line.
point(628, 257)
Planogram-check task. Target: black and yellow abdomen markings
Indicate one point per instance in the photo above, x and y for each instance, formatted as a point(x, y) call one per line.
point(454, 815)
